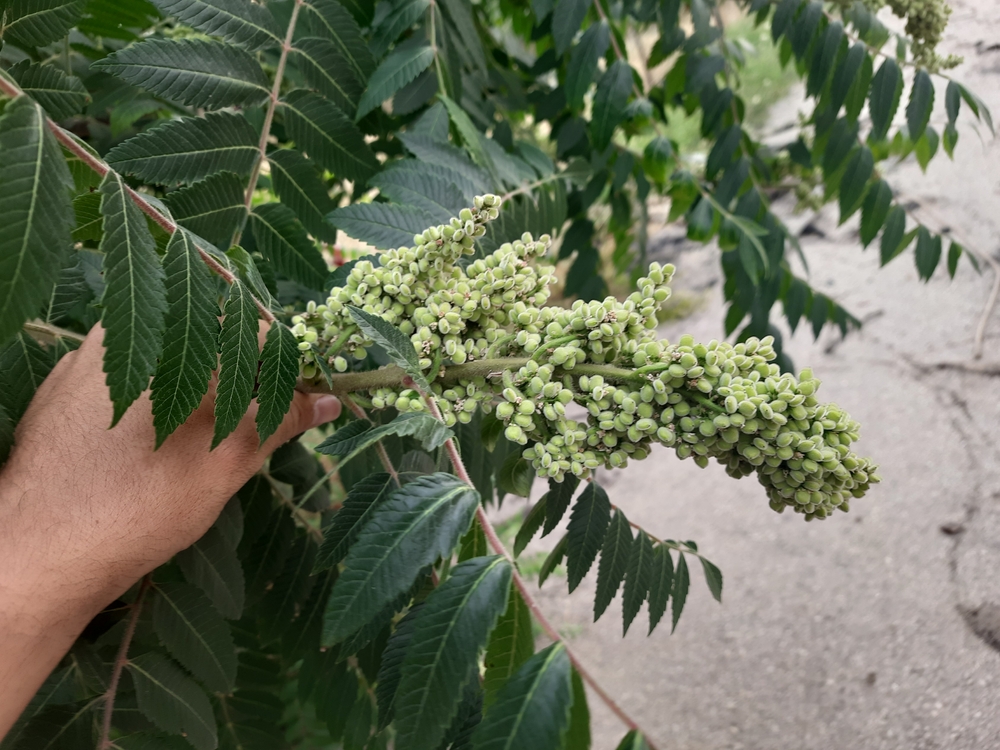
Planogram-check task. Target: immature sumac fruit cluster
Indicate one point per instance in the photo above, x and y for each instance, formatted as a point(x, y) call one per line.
point(590, 386)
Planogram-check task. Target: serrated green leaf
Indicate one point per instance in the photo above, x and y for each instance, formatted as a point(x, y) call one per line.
point(173, 701)
point(852, 185)
point(615, 555)
point(531, 711)
point(381, 224)
point(238, 361)
point(35, 212)
point(842, 140)
point(400, 67)
point(23, 367)
point(475, 142)
point(928, 252)
point(613, 91)
point(588, 525)
point(444, 652)
point(874, 210)
point(283, 241)
point(857, 94)
point(192, 330)
point(530, 525)
point(70, 295)
point(824, 57)
point(239, 260)
point(56, 727)
point(150, 741)
point(189, 149)
point(439, 197)
point(60, 94)
point(423, 520)
point(554, 558)
point(892, 235)
point(387, 684)
point(469, 178)
point(633, 741)
point(279, 371)
point(577, 735)
point(511, 644)
point(887, 87)
point(660, 585)
point(331, 20)
point(583, 63)
point(239, 22)
point(679, 590)
point(845, 75)
point(783, 15)
point(89, 222)
point(516, 475)
point(134, 300)
point(195, 634)
point(559, 496)
point(918, 110)
point(403, 15)
point(978, 107)
point(327, 136)
point(952, 100)
point(195, 72)
point(396, 344)
point(361, 502)
point(36, 23)
point(638, 578)
point(713, 577)
point(298, 184)
point(926, 147)
point(723, 150)
point(567, 15)
point(211, 565)
point(954, 253)
point(290, 590)
point(265, 559)
point(326, 71)
point(212, 208)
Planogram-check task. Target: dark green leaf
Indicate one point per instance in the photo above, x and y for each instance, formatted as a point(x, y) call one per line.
point(723, 150)
point(530, 525)
point(283, 242)
point(266, 558)
point(403, 15)
point(638, 578)
point(954, 253)
point(577, 735)
point(531, 711)
point(633, 741)
point(566, 19)
point(298, 184)
point(195, 634)
point(212, 565)
point(928, 252)
point(192, 329)
point(60, 94)
point(381, 224)
point(824, 58)
point(36, 23)
point(189, 149)
point(660, 585)
point(679, 590)
point(421, 521)
point(950, 138)
point(290, 590)
point(475, 142)
point(396, 344)
point(583, 63)
point(516, 475)
point(35, 212)
point(330, 19)
point(237, 21)
point(615, 554)
point(195, 72)
point(918, 111)
point(387, 684)
point(610, 99)
point(238, 361)
point(845, 75)
point(212, 208)
point(355, 437)
point(173, 701)
point(926, 147)
point(874, 210)
point(857, 94)
point(892, 235)
point(402, 65)
point(361, 502)
point(443, 654)
point(432, 193)
point(952, 100)
point(713, 577)
point(326, 71)
point(555, 557)
point(469, 178)
point(887, 86)
point(89, 222)
point(279, 371)
point(135, 297)
point(559, 496)
point(511, 644)
point(855, 180)
point(588, 525)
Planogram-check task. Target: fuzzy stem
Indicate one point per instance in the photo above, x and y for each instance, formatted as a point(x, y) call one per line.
point(272, 105)
point(493, 539)
point(41, 329)
point(70, 143)
point(120, 661)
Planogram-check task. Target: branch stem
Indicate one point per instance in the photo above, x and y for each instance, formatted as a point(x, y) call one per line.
point(383, 455)
point(120, 661)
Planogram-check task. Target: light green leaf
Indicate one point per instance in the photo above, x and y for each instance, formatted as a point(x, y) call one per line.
point(187, 150)
point(423, 520)
point(135, 298)
point(283, 241)
point(616, 553)
point(887, 86)
point(855, 180)
point(195, 634)
point(36, 23)
point(23, 367)
point(36, 213)
point(238, 361)
point(212, 208)
point(531, 711)
point(173, 701)
point(298, 184)
point(918, 111)
point(195, 72)
point(874, 210)
point(443, 654)
point(588, 525)
point(325, 70)
point(240, 22)
point(638, 578)
point(402, 65)
point(679, 591)
point(60, 94)
point(361, 502)
point(567, 15)
point(381, 224)
point(396, 344)
point(353, 438)
point(327, 136)
point(713, 577)
point(577, 735)
point(583, 63)
point(279, 371)
point(928, 252)
point(530, 526)
point(330, 19)
point(633, 741)
point(511, 644)
point(211, 565)
point(192, 330)
point(610, 99)
point(438, 196)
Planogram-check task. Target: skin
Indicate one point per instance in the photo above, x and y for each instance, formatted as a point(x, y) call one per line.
point(86, 511)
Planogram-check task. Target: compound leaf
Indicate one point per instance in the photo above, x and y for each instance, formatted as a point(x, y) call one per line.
point(279, 371)
point(615, 555)
point(330, 19)
point(238, 361)
point(60, 94)
point(284, 243)
point(36, 23)
point(588, 525)
point(361, 502)
point(326, 71)
point(241, 22)
point(400, 67)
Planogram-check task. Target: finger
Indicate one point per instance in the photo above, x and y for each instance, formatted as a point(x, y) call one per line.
point(308, 410)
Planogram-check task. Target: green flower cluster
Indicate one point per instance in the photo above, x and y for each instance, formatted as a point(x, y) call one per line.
point(589, 386)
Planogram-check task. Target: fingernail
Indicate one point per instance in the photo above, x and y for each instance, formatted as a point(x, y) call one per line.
point(325, 409)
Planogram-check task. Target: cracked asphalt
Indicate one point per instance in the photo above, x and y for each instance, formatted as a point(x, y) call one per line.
point(874, 630)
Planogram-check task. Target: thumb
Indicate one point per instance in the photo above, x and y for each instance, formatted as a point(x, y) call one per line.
point(308, 410)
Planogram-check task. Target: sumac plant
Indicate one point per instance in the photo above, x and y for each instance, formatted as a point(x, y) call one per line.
point(167, 165)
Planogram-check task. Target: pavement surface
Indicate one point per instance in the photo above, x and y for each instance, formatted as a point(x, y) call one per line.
point(874, 630)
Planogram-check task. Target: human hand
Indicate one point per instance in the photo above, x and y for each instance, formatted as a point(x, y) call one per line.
point(85, 511)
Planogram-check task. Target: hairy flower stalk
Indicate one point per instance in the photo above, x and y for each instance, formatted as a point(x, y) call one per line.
point(586, 387)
